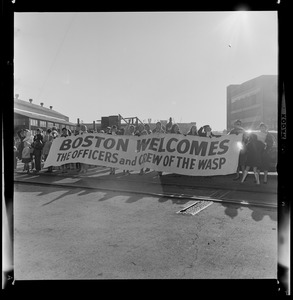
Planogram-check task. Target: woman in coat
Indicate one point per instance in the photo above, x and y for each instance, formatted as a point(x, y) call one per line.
point(268, 142)
point(254, 157)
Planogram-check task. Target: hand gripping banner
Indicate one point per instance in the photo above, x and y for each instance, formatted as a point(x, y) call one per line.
point(172, 153)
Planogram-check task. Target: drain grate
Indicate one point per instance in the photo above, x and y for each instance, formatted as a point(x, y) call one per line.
point(195, 207)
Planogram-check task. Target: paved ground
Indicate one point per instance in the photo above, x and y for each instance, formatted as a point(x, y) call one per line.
point(97, 226)
point(67, 232)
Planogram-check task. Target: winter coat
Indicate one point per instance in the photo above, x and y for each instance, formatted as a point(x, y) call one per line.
point(254, 152)
point(266, 153)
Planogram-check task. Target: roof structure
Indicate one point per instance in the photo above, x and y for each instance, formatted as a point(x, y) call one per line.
point(31, 110)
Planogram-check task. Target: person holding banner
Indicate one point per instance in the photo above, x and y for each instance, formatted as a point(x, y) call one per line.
point(175, 129)
point(139, 130)
point(192, 130)
point(147, 128)
point(206, 131)
point(158, 128)
point(48, 138)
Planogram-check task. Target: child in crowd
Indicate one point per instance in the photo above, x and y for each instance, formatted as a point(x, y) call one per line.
point(26, 156)
point(29, 138)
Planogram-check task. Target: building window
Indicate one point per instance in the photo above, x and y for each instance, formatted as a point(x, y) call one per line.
point(50, 124)
point(33, 122)
point(43, 124)
point(57, 125)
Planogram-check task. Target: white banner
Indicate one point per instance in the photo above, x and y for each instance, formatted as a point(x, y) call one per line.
point(187, 155)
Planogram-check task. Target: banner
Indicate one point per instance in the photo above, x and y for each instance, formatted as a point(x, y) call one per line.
point(172, 153)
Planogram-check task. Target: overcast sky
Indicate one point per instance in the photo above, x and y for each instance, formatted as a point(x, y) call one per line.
point(150, 65)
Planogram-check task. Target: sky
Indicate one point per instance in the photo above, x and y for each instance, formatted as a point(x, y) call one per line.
point(150, 65)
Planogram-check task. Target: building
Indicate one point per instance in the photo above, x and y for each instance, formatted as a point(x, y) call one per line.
point(253, 102)
point(32, 116)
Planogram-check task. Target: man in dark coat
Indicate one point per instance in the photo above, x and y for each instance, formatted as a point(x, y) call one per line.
point(38, 145)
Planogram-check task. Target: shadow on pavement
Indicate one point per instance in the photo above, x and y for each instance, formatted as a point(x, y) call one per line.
point(257, 214)
point(231, 210)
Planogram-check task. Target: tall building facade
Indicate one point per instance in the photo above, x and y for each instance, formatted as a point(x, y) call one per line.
point(253, 102)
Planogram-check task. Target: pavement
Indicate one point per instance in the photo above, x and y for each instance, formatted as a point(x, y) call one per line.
point(101, 226)
point(79, 233)
point(215, 188)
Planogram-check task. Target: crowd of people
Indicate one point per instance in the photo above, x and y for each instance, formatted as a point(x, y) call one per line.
point(254, 153)
point(33, 150)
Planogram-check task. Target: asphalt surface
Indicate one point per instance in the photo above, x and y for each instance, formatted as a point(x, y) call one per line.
point(101, 226)
point(66, 232)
